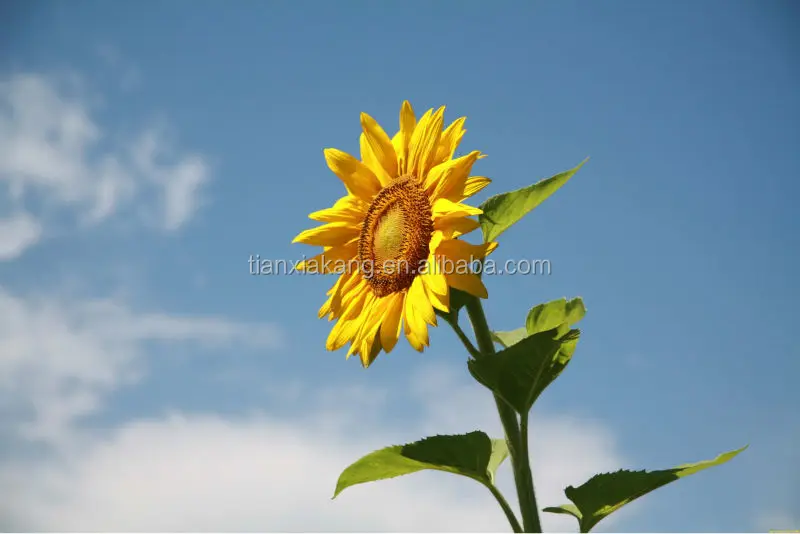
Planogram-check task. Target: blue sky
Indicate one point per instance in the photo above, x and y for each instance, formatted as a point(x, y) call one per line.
point(147, 150)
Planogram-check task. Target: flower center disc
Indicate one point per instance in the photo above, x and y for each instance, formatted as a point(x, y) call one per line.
point(396, 235)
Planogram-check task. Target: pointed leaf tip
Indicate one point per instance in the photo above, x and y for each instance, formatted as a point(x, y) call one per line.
point(502, 211)
point(567, 509)
point(606, 493)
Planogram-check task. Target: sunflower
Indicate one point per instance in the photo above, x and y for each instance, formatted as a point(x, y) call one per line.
point(393, 239)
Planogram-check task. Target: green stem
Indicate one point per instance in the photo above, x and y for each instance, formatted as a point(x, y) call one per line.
point(464, 339)
point(525, 470)
point(512, 519)
point(517, 447)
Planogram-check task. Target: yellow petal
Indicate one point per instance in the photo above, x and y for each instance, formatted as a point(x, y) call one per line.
point(369, 159)
point(326, 308)
point(351, 320)
point(333, 307)
point(456, 226)
point(439, 297)
point(370, 339)
point(332, 260)
point(419, 128)
point(474, 184)
point(374, 311)
point(346, 209)
point(328, 235)
point(346, 292)
point(415, 328)
point(380, 144)
point(419, 300)
point(390, 327)
point(370, 350)
point(449, 178)
point(365, 315)
point(354, 305)
point(470, 283)
point(421, 123)
point(403, 136)
point(341, 333)
point(422, 146)
point(436, 238)
point(460, 250)
point(357, 177)
point(436, 282)
point(353, 281)
point(350, 289)
point(447, 208)
point(449, 141)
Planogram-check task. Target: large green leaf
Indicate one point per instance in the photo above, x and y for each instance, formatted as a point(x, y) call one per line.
point(502, 211)
point(518, 374)
point(473, 455)
point(554, 313)
point(556, 316)
point(603, 494)
point(510, 337)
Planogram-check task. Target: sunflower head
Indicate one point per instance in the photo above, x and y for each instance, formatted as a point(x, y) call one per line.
point(393, 238)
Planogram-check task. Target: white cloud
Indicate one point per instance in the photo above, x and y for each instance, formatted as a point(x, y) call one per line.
point(60, 357)
point(18, 232)
point(253, 474)
point(180, 183)
point(261, 473)
point(54, 154)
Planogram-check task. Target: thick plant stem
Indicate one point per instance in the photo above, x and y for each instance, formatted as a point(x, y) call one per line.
point(525, 469)
point(518, 450)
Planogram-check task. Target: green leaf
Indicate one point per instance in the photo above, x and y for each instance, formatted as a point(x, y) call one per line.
point(499, 454)
point(517, 374)
point(473, 455)
point(556, 316)
point(559, 314)
point(510, 337)
point(566, 509)
point(569, 342)
point(554, 313)
point(606, 493)
point(502, 211)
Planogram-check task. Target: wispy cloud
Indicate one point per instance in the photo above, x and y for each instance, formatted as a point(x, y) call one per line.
point(54, 155)
point(17, 232)
point(60, 357)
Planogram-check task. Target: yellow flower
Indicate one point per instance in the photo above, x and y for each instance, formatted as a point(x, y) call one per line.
point(393, 238)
